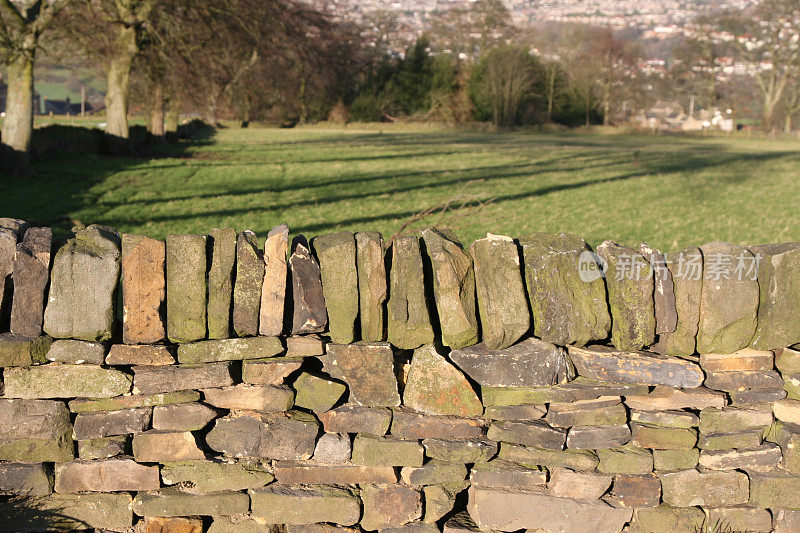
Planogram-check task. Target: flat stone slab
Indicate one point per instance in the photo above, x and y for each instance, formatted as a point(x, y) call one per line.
point(283, 436)
point(435, 386)
point(409, 424)
point(357, 419)
point(229, 349)
point(65, 381)
point(213, 476)
point(112, 475)
point(183, 416)
point(169, 502)
point(262, 398)
point(530, 363)
point(707, 489)
point(142, 354)
point(156, 446)
point(162, 379)
point(110, 423)
point(300, 473)
point(35, 431)
point(645, 368)
point(16, 350)
point(132, 401)
point(665, 398)
point(288, 505)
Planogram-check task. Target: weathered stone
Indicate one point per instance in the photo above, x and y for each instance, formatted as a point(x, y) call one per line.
point(666, 398)
point(787, 436)
point(74, 352)
point(741, 519)
point(247, 284)
point(625, 460)
point(182, 417)
point(536, 433)
point(785, 521)
point(453, 288)
point(596, 437)
point(578, 485)
point(156, 446)
point(709, 489)
point(295, 473)
point(670, 460)
point(604, 411)
point(666, 518)
point(502, 305)
point(731, 419)
point(83, 282)
point(212, 476)
point(336, 253)
point(668, 419)
point(111, 475)
point(317, 393)
point(779, 287)
point(531, 363)
point(755, 396)
point(269, 371)
point(686, 269)
point(661, 438)
point(273, 288)
point(762, 459)
point(725, 441)
point(31, 273)
point(513, 510)
point(132, 402)
point(103, 448)
point(158, 379)
point(304, 346)
point(664, 305)
point(433, 472)
point(229, 350)
point(566, 309)
point(412, 425)
point(222, 248)
point(434, 386)
point(65, 381)
point(10, 232)
point(368, 370)
point(787, 360)
point(514, 412)
point(729, 300)
point(284, 436)
point(171, 502)
point(580, 388)
point(529, 456)
point(165, 524)
point(388, 506)
point(333, 448)
point(145, 354)
point(747, 359)
point(371, 450)
point(775, 491)
point(309, 315)
point(408, 316)
point(460, 523)
point(25, 479)
point(460, 451)
point(741, 381)
point(244, 524)
point(637, 490)
point(109, 423)
point(787, 411)
point(23, 351)
point(505, 475)
point(278, 504)
point(264, 398)
point(629, 282)
point(70, 512)
point(144, 283)
point(186, 287)
point(356, 419)
point(372, 287)
point(439, 501)
point(645, 368)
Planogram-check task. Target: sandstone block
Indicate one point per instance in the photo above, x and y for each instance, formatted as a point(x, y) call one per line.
point(580, 388)
point(247, 284)
point(222, 247)
point(762, 459)
point(10, 232)
point(69, 512)
point(514, 412)
point(787, 436)
point(110, 423)
point(665, 398)
point(132, 402)
point(502, 304)
point(368, 370)
point(144, 288)
point(289, 437)
point(499, 474)
point(646, 368)
point(775, 491)
point(408, 316)
point(229, 350)
point(779, 286)
point(304, 346)
point(747, 359)
point(709, 489)
point(25, 479)
point(23, 351)
point(65, 381)
point(460, 451)
point(625, 460)
point(186, 287)
point(666, 518)
point(664, 304)
point(386, 451)
point(723, 441)
point(103, 448)
point(296, 473)
point(156, 446)
point(337, 261)
point(535, 433)
point(596, 437)
point(286, 505)
point(433, 472)
point(211, 476)
point(269, 371)
point(74, 352)
point(670, 460)
point(741, 519)
point(669, 419)
point(162, 524)
point(317, 393)
point(372, 286)
point(310, 315)
point(686, 269)
point(182, 417)
point(660, 438)
point(357, 419)
point(637, 490)
point(439, 501)
point(530, 456)
point(263, 398)
point(333, 448)
point(165, 379)
point(731, 420)
point(273, 288)
point(578, 485)
point(412, 425)
point(111, 475)
point(566, 309)
point(787, 411)
point(785, 521)
point(31, 273)
point(604, 411)
point(742, 381)
point(145, 354)
point(171, 502)
point(388, 506)
point(435, 386)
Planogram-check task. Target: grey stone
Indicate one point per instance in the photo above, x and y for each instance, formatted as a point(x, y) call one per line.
point(566, 309)
point(103, 448)
point(110, 423)
point(332, 448)
point(636, 490)
point(414, 425)
point(212, 476)
point(143, 282)
point(182, 417)
point(598, 437)
point(273, 289)
point(663, 290)
point(186, 287)
point(502, 304)
point(222, 247)
point(65, 381)
point(247, 285)
point(31, 274)
point(500, 474)
point(290, 437)
point(665, 398)
point(160, 379)
point(777, 325)
point(356, 419)
point(436, 387)
point(109, 475)
point(645, 368)
point(686, 269)
point(536, 433)
point(625, 460)
point(289, 505)
point(368, 370)
point(531, 363)
point(530, 456)
point(83, 284)
point(74, 352)
point(309, 315)
point(35, 431)
point(25, 479)
point(11, 230)
point(337, 261)
point(408, 315)
point(69, 512)
point(372, 286)
point(708, 489)
point(229, 350)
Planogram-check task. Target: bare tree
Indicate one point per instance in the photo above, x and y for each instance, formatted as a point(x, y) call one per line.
point(507, 75)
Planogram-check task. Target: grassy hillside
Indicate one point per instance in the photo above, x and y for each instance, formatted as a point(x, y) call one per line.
point(670, 192)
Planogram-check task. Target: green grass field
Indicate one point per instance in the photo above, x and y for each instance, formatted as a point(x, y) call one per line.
point(668, 191)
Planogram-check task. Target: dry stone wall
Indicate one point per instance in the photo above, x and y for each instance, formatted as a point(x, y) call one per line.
point(227, 384)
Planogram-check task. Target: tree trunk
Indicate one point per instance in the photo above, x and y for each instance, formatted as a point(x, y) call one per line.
point(173, 115)
point(18, 123)
point(119, 80)
point(787, 124)
point(157, 112)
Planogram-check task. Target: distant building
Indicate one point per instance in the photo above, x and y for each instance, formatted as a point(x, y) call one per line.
point(65, 107)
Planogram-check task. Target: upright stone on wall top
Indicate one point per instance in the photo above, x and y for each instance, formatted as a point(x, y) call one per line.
point(408, 316)
point(502, 305)
point(273, 290)
point(83, 284)
point(186, 287)
point(629, 281)
point(686, 268)
point(309, 314)
point(372, 288)
point(247, 287)
point(31, 274)
point(11, 230)
point(143, 289)
point(779, 285)
point(222, 247)
point(453, 288)
point(337, 261)
point(729, 298)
